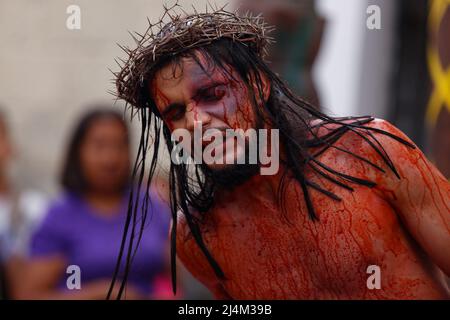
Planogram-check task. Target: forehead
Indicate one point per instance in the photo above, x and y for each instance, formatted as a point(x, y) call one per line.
point(186, 74)
point(177, 73)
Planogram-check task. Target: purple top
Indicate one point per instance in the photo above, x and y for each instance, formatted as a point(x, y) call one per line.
point(85, 238)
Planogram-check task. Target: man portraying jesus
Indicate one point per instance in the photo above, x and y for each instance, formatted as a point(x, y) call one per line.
point(351, 194)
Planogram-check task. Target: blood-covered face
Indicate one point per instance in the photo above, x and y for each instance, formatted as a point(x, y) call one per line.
point(187, 95)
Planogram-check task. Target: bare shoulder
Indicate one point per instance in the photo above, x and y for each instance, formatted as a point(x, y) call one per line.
point(390, 140)
point(322, 128)
point(375, 150)
point(378, 132)
point(387, 127)
point(190, 254)
point(186, 249)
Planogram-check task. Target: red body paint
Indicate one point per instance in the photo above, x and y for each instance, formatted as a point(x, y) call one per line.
point(266, 257)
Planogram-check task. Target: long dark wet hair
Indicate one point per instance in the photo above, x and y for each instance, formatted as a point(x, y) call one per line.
point(192, 186)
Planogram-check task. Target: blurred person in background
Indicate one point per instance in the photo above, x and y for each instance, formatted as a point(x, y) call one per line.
point(20, 212)
point(83, 227)
point(298, 35)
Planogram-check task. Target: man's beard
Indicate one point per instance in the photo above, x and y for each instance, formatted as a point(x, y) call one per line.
point(233, 175)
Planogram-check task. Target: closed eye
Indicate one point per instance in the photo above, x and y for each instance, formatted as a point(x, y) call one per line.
point(211, 93)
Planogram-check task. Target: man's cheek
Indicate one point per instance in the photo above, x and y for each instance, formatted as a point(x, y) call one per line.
point(244, 115)
point(237, 113)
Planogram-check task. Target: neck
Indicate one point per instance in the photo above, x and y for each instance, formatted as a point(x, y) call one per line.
point(258, 187)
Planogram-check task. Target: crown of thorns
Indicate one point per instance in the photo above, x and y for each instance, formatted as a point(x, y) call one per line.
point(181, 33)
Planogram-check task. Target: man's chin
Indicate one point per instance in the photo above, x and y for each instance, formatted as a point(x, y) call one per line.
point(219, 166)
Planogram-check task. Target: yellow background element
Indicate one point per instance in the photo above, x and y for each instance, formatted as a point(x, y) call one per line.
point(440, 96)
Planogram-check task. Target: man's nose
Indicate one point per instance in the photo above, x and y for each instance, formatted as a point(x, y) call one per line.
point(194, 114)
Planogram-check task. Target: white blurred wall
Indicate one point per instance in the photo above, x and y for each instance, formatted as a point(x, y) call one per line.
point(337, 66)
point(353, 69)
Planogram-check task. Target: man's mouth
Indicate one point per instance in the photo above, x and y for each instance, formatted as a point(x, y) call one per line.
point(208, 138)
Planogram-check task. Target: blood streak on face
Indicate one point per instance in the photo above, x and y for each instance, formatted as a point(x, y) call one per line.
point(186, 93)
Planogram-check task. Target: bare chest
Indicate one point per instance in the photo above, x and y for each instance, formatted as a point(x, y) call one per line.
point(265, 252)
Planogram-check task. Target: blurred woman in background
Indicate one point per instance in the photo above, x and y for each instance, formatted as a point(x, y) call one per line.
point(85, 225)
